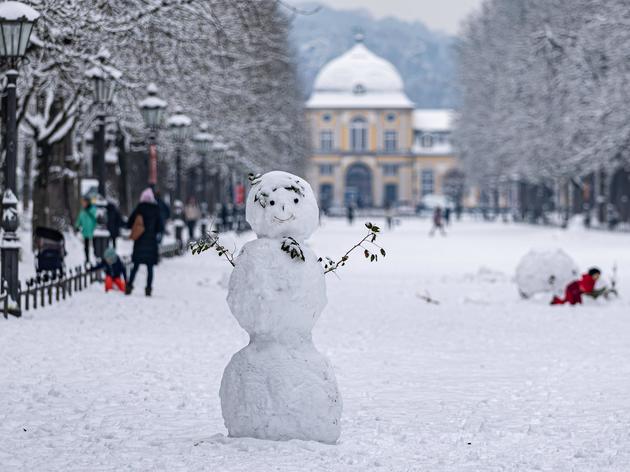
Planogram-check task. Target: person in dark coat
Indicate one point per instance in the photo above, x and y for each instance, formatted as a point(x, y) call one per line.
point(165, 210)
point(115, 221)
point(438, 222)
point(145, 247)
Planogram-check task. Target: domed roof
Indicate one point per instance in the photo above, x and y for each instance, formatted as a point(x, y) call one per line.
point(359, 78)
point(359, 68)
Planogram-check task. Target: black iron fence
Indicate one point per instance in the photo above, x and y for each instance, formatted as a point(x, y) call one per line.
point(47, 288)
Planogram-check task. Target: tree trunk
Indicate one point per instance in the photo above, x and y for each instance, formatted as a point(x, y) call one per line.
point(26, 184)
point(41, 208)
point(123, 181)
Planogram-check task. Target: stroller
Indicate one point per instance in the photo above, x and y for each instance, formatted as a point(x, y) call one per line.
point(50, 247)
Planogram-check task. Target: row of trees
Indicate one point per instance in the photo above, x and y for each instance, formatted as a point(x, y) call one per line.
point(545, 89)
point(226, 62)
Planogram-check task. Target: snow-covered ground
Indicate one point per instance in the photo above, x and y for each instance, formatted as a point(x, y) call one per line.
point(484, 381)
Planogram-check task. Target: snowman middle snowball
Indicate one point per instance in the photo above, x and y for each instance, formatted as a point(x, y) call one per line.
point(279, 386)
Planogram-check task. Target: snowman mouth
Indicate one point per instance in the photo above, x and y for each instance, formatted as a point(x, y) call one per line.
point(292, 217)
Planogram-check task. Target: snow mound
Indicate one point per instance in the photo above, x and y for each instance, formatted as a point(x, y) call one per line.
point(545, 270)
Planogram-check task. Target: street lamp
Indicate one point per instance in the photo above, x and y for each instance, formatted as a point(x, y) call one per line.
point(16, 25)
point(203, 144)
point(152, 108)
point(179, 125)
point(103, 88)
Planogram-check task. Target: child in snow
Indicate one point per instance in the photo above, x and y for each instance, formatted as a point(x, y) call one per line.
point(577, 288)
point(115, 273)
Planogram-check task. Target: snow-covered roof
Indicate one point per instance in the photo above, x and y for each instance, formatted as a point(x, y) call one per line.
point(433, 120)
point(14, 11)
point(359, 79)
point(350, 100)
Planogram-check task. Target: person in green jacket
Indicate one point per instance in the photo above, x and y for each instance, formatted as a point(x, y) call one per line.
point(86, 222)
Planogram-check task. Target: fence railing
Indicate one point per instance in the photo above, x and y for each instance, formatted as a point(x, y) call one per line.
point(48, 288)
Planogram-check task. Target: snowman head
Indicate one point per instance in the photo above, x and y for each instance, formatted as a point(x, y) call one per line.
point(280, 205)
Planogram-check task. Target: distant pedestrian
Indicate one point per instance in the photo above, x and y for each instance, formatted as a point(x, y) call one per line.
point(438, 222)
point(146, 227)
point(447, 216)
point(350, 213)
point(86, 222)
point(115, 272)
point(389, 215)
point(115, 221)
point(223, 217)
point(192, 214)
point(165, 210)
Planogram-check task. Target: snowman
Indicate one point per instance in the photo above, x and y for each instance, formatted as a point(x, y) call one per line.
point(279, 386)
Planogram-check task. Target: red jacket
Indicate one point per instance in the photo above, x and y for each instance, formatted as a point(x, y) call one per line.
point(587, 283)
point(574, 291)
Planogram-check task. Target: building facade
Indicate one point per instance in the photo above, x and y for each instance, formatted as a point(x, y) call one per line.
point(371, 147)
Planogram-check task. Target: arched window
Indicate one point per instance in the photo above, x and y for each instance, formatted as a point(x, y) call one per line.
point(358, 134)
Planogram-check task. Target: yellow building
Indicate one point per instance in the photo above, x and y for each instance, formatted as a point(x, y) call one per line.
point(372, 148)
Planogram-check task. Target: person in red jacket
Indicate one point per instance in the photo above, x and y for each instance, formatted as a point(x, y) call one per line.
point(577, 288)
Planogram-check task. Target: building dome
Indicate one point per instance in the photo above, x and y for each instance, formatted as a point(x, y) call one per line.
point(359, 78)
point(359, 68)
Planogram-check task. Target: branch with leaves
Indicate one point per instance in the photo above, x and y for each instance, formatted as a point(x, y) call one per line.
point(368, 243)
point(211, 241)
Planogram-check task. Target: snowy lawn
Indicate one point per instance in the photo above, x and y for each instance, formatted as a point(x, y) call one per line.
point(483, 381)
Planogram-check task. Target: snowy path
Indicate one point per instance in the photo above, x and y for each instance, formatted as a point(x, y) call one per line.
point(481, 382)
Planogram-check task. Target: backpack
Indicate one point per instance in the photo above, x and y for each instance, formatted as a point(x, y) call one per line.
point(137, 229)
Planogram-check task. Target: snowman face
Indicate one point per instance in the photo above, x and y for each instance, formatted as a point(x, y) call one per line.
point(282, 205)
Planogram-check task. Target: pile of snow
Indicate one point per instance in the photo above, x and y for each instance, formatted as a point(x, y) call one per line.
point(544, 271)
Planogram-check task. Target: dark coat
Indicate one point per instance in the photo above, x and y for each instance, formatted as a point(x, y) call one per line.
point(165, 211)
point(114, 220)
point(145, 249)
point(115, 270)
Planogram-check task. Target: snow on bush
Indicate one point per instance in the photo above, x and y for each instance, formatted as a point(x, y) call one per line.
point(545, 270)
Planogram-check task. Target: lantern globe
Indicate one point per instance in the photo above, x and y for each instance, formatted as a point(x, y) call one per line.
point(16, 26)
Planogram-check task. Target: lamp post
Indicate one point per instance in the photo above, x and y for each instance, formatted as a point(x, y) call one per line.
point(104, 88)
point(16, 25)
point(152, 108)
point(179, 125)
point(203, 144)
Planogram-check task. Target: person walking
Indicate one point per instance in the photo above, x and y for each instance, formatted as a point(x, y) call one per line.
point(86, 222)
point(192, 214)
point(165, 210)
point(350, 213)
point(115, 221)
point(146, 227)
point(438, 222)
point(447, 216)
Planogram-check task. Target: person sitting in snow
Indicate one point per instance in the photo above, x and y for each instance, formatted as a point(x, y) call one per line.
point(584, 286)
point(115, 272)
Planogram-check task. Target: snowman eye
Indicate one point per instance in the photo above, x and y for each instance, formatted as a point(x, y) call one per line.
point(272, 203)
point(296, 200)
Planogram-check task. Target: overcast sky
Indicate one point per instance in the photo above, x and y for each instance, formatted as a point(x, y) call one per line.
point(443, 15)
